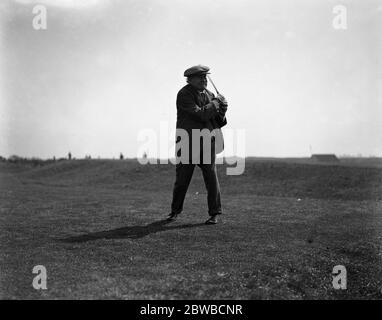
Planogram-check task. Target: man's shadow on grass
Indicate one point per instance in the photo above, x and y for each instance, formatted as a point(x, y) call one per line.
point(133, 232)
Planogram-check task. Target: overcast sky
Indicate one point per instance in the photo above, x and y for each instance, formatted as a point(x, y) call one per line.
point(106, 69)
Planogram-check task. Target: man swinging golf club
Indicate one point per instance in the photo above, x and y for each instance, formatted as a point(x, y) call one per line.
point(198, 108)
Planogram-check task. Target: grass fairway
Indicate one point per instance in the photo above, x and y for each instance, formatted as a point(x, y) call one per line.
point(96, 225)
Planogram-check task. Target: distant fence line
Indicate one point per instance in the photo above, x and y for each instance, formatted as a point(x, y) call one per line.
point(35, 161)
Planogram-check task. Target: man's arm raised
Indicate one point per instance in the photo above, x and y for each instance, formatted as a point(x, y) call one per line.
point(185, 101)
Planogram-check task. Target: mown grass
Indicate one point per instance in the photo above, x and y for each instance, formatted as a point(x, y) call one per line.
point(97, 226)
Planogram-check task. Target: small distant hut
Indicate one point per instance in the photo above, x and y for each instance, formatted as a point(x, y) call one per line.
point(330, 157)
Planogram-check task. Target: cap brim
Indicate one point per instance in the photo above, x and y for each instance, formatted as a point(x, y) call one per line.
point(197, 74)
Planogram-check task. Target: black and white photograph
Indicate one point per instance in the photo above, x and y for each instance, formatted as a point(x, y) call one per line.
point(210, 151)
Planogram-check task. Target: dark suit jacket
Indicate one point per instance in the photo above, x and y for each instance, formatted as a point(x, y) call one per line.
point(194, 113)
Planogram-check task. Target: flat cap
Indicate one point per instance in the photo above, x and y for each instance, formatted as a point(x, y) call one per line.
point(196, 70)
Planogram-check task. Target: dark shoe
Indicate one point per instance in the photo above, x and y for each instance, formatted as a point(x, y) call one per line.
point(212, 220)
point(172, 217)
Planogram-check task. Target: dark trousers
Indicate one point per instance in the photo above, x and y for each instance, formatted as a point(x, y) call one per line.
point(184, 174)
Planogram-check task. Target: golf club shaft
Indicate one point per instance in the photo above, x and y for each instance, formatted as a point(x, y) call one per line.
point(209, 78)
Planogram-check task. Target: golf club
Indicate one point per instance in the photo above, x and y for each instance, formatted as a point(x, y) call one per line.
point(209, 78)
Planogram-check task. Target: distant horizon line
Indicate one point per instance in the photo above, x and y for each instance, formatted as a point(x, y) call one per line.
point(344, 156)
